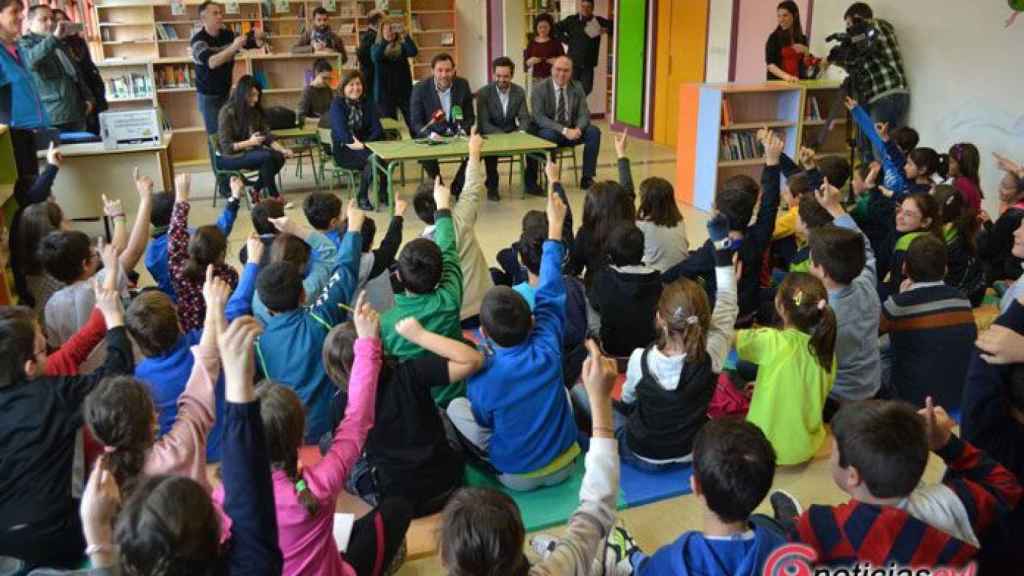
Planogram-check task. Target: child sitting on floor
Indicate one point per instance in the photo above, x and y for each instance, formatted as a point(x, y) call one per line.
point(309, 251)
point(665, 243)
point(408, 454)
point(995, 242)
point(669, 386)
point(964, 167)
point(42, 416)
point(796, 368)
point(918, 214)
point(842, 259)
point(190, 254)
point(517, 416)
point(482, 530)
point(430, 273)
point(160, 219)
point(810, 216)
point(305, 498)
point(625, 293)
point(733, 469)
point(289, 349)
point(931, 330)
point(960, 225)
point(262, 213)
point(879, 454)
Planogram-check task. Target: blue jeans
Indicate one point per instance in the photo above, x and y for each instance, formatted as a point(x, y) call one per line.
point(591, 140)
point(209, 107)
point(268, 162)
point(891, 109)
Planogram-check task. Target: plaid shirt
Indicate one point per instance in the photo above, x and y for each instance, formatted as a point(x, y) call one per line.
point(883, 68)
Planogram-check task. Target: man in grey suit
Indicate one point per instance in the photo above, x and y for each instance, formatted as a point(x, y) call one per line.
point(500, 109)
point(561, 115)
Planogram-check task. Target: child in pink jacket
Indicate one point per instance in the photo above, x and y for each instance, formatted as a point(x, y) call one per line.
point(305, 499)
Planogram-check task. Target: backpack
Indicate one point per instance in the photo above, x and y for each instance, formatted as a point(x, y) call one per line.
point(279, 117)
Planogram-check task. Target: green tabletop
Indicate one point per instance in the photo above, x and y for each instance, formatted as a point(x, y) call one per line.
point(299, 132)
point(494, 145)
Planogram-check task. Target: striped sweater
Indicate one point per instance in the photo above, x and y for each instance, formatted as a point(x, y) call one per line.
point(932, 331)
point(934, 525)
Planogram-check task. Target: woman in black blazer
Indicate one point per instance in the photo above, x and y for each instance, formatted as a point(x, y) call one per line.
point(354, 121)
point(787, 46)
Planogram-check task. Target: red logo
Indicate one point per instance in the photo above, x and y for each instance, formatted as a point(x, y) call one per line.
point(790, 560)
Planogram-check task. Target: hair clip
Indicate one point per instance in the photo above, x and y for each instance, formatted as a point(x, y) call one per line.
point(300, 486)
point(821, 304)
point(692, 320)
point(798, 297)
point(677, 314)
point(109, 449)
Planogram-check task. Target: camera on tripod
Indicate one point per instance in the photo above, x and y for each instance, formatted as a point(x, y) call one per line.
point(854, 44)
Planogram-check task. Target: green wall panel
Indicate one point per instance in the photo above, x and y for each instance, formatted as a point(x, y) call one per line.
point(631, 61)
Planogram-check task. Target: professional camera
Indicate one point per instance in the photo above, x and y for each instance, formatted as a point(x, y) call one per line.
point(854, 44)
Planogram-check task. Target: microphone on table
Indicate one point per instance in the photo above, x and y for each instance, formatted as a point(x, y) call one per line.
point(436, 117)
point(457, 117)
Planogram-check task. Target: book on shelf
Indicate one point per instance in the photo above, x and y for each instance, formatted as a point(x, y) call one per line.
point(175, 76)
point(132, 85)
point(739, 146)
point(813, 108)
point(447, 39)
point(231, 7)
point(726, 112)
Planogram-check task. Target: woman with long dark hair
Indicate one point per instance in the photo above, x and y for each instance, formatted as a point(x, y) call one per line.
point(245, 139)
point(785, 49)
point(354, 121)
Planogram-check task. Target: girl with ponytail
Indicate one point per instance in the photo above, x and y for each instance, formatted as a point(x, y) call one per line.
point(796, 368)
point(960, 225)
point(670, 384)
point(304, 497)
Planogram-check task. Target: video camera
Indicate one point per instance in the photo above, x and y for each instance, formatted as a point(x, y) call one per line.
point(854, 44)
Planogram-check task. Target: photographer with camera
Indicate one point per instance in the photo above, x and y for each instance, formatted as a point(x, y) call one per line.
point(870, 53)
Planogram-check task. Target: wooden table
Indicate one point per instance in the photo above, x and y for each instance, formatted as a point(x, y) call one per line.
point(90, 171)
point(389, 154)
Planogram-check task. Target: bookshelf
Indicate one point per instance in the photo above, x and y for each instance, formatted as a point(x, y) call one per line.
point(718, 124)
point(432, 24)
point(819, 98)
point(142, 50)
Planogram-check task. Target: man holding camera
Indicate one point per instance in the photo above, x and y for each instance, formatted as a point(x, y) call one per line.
point(62, 90)
point(320, 38)
point(880, 81)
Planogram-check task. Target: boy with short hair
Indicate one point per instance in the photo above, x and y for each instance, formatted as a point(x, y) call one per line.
point(262, 213)
point(733, 469)
point(476, 275)
point(430, 273)
point(810, 216)
point(289, 349)
point(879, 453)
point(625, 293)
point(317, 96)
point(517, 415)
point(156, 261)
point(39, 517)
point(842, 259)
point(167, 359)
point(736, 201)
point(931, 330)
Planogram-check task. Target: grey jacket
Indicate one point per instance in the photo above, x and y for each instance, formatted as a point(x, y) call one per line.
point(493, 119)
point(857, 310)
point(61, 90)
point(544, 105)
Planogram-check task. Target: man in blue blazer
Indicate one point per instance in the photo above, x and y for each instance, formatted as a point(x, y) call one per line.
point(442, 105)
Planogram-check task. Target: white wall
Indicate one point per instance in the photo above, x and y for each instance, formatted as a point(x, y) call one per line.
point(471, 24)
point(963, 66)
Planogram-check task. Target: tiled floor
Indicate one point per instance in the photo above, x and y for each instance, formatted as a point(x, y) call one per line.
point(498, 225)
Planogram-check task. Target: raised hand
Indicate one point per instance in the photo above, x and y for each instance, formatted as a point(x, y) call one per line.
point(143, 184)
point(773, 149)
point(938, 425)
point(829, 197)
point(236, 356)
point(101, 501)
point(806, 157)
point(108, 255)
point(355, 217)
point(216, 292)
point(400, 205)
point(182, 186)
point(283, 224)
point(54, 155)
point(476, 143)
point(365, 318)
point(1007, 165)
point(108, 302)
point(552, 171)
point(621, 139)
point(851, 103)
point(556, 210)
point(254, 248)
point(599, 373)
point(442, 195)
point(883, 130)
point(237, 187)
point(112, 208)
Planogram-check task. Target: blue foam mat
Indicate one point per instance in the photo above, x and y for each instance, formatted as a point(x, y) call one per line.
point(640, 487)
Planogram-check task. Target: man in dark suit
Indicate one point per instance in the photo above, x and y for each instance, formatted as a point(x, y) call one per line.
point(366, 41)
point(501, 108)
point(561, 115)
point(442, 105)
point(582, 32)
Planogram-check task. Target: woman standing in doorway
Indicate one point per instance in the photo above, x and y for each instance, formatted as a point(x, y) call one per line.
point(786, 48)
point(543, 49)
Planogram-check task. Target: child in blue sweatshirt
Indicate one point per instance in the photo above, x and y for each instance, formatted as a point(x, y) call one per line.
point(517, 413)
point(152, 321)
point(733, 469)
point(160, 219)
point(290, 347)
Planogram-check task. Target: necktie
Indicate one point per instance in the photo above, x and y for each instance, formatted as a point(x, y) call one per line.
point(560, 113)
